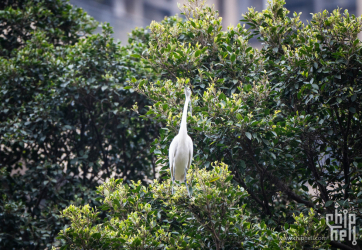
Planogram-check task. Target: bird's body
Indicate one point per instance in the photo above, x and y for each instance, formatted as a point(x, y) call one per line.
point(180, 161)
point(181, 148)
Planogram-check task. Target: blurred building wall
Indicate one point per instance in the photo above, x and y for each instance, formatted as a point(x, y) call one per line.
point(125, 15)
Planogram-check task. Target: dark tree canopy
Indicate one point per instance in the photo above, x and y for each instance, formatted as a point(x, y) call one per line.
point(285, 119)
point(61, 23)
point(66, 119)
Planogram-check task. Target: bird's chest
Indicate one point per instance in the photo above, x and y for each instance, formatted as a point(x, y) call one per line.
point(181, 158)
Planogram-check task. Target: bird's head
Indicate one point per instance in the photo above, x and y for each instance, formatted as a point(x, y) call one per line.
point(187, 92)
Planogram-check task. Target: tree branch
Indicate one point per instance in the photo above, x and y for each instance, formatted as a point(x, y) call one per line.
point(105, 159)
point(341, 246)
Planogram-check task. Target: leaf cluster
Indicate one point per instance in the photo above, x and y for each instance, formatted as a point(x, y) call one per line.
point(141, 217)
point(286, 118)
point(66, 119)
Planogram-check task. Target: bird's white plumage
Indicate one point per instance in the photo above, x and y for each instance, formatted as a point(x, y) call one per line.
point(181, 149)
point(180, 155)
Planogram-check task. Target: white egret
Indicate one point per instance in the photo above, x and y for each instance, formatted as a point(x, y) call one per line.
point(181, 149)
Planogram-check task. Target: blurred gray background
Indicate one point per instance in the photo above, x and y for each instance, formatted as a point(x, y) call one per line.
point(125, 15)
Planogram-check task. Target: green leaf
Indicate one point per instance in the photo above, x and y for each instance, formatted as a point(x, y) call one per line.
point(214, 179)
point(222, 96)
point(328, 203)
point(352, 110)
point(247, 87)
point(64, 247)
point(228, 178)
point(209, 30)
point(115, 201)
point(96, 236)
point(136, 56)
point(299, 94)
point(323, 86)
point(242, 163)
point(248, 135)
point(323, 221)
point(233, 57)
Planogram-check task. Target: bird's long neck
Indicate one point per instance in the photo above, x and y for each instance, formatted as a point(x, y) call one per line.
point(183, 127)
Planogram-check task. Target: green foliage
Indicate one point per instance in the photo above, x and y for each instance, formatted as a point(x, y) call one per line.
point(62, 23)
point(141, 217)
point(317, 72)
point(286, 118)
point(66, 119)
